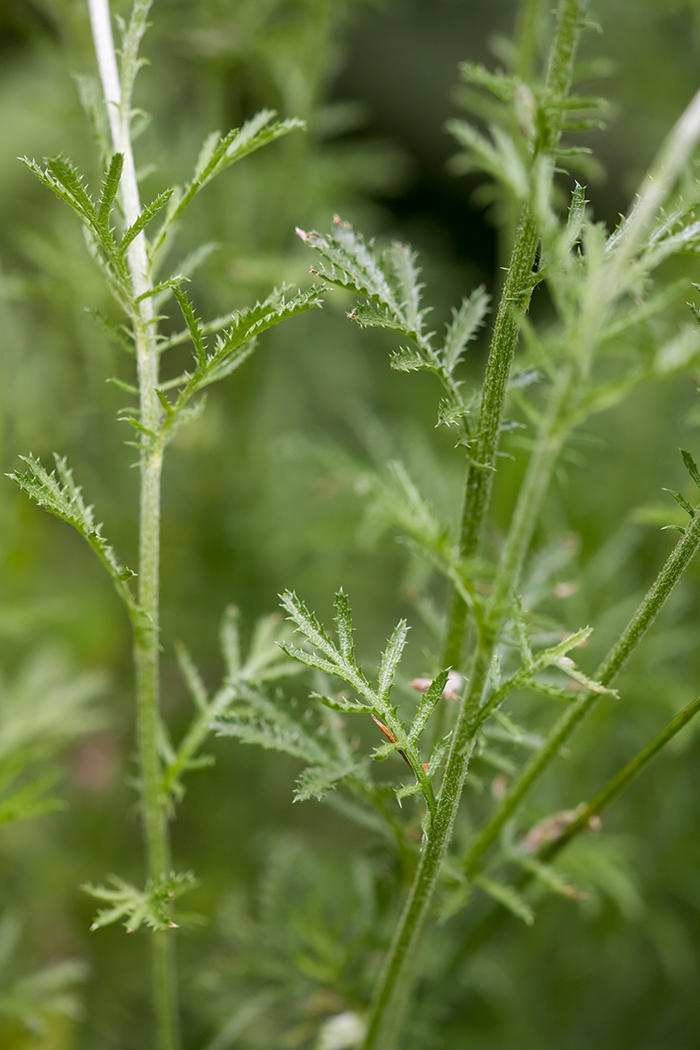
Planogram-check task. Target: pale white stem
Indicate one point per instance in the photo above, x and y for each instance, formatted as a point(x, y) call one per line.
point(119, 112)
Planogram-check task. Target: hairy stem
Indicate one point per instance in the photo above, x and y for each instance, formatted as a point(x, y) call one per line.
point(620, 781)
point(515, 296)
point(648, 610)
point(496, 916)
point(653, 192)
point(146, 633)
point(397, 976)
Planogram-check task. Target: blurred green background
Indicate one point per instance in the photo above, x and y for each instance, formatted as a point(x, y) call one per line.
point(249, 511)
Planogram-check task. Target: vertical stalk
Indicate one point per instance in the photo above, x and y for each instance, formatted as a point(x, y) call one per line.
point(146, 627)
point(396, 979)
point(654, 190)
point(515, 295)
point(646, 613)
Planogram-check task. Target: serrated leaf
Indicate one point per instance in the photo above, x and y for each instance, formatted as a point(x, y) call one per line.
point(501, 85)
point(339, 703)
point(464, 325)
point(349, 262)
point(403, 274)
point(370, 316)
point(343, 623)
point(309, 659)
point(551, 878)
point(507, 896)
point(219, 152)
point(193, 325)
point(147, 214)
point(498, 157)
point(67, 175)
point(682, 502)
point(192, 678)
point(575, 218)
point(110, 189)
point(150, 907)
point(253, 320)
point(691, 466)
point(308, 624)
point(428, 703)
point(391, 658)
point(58, 493)
point(407, 359)
point(316, 781)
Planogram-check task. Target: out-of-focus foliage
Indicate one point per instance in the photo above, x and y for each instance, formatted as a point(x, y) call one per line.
point(251, 511)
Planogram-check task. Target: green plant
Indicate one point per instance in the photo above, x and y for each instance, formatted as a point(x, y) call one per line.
point(130, 263)
point(588, 358)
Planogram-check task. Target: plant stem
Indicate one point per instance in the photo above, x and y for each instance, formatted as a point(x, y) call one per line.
point(527, 38)
point(496, 916)
point(620, 781)
point(482, 458)
point(146, 626)
point(633, 633)
point(515, 296)
point(395, 981)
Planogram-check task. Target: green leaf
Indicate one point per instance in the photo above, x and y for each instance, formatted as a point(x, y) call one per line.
point(348, 262)
point(368, 316)
point(507, 896)
point(110, 189)
point(150, 907)
point(682, 502)
point(464, 325)
point(309, 625)
point(192, 677)
point(343, 623)
point(58, 493)
point(550, 877)
point(428, 703)
point(193, 325)
point(67, 176)
point(498, 157)
point(256, 319)
point(390, 660)
point(575, 218)
point(147, 214)
point(339, 703)
point(316, 781)
point(691, 466)
point(501, 85)
point(403, 273)
point(406, 359)
point(219, 153)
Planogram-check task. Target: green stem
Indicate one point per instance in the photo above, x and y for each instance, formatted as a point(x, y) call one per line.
point(648, 610)
point(482, 458)
point(395, 981)
point(515, 296)
point(620, 781)
point(495, 917)
point(527, 38)
point(146, 633)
